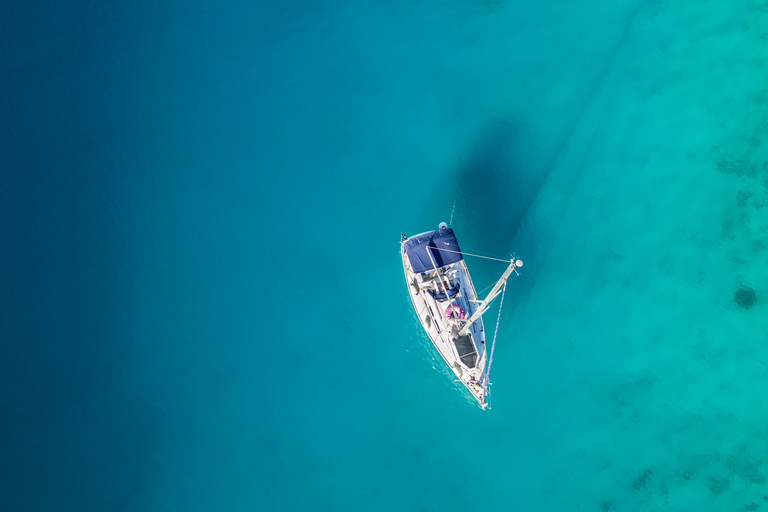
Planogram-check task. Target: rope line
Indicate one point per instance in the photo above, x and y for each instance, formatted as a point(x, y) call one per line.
point(467, 254)
point(485, 289)
point(490, 359)
point(476, 251)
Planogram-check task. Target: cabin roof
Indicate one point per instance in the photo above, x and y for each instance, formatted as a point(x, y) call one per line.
point(432, 249)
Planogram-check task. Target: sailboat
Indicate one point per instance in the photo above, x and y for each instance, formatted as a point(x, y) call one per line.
point(447, 305)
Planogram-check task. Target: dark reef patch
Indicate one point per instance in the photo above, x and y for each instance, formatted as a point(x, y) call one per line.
point(641, 481)
point(742, 198)
point(607, 506)
point(745, 297)
point(718, 485)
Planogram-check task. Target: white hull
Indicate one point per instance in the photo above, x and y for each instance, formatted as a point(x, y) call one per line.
point(464, 355)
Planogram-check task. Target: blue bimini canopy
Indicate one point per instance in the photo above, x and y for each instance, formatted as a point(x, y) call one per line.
point(432, 249)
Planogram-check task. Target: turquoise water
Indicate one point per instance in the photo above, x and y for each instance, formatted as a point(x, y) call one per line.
point(203, 306)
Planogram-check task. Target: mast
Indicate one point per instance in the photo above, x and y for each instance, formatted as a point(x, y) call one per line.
point(513, 264)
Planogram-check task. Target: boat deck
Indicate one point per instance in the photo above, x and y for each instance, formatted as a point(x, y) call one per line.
point(465, 355)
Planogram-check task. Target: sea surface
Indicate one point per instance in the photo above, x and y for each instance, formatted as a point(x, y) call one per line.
point(202, 301)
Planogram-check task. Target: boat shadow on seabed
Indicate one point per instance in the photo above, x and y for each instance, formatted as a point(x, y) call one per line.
point(495, 186)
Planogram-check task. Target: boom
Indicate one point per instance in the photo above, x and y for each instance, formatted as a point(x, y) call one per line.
point(513, 264)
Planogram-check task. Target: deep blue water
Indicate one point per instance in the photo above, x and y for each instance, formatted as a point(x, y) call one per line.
point(202, 296)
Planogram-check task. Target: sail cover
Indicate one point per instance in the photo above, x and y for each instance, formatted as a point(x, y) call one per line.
point(432, 249)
